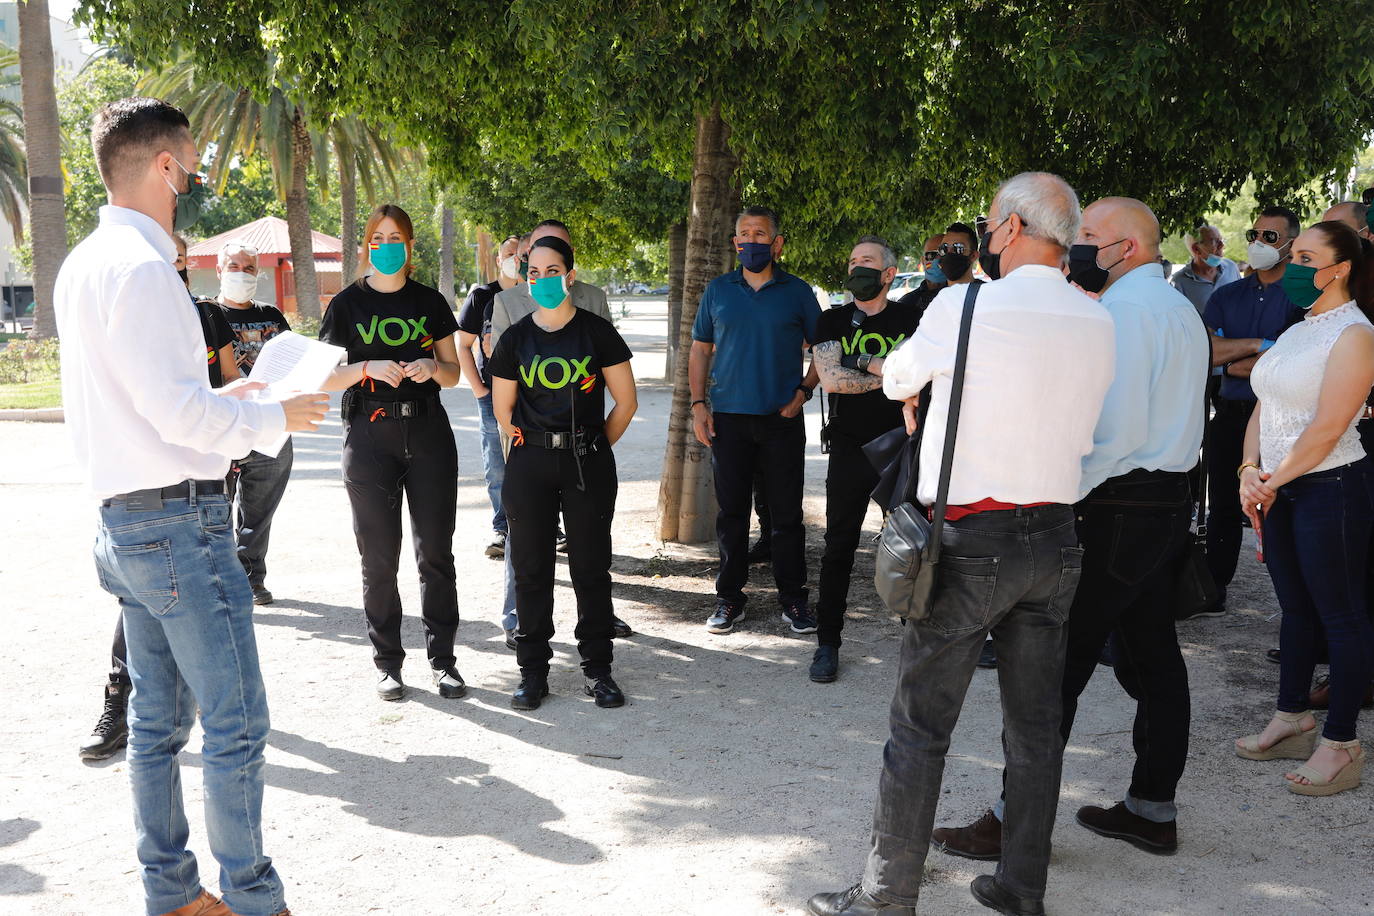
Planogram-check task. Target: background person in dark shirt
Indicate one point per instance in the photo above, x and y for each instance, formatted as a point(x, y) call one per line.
point(934, 279)
point(851, 343)
point(397, 441)
point(474, 321)
point(1245, 318)
point(550, 374)
point(256, 482)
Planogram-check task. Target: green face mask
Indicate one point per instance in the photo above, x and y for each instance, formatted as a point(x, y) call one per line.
point(189, 203)
point(387, 258)
point(549, 292)
point(1300, 284)
point(524, 268)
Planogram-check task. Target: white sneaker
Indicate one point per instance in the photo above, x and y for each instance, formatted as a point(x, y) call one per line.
point(450, 683)
point(389, 686)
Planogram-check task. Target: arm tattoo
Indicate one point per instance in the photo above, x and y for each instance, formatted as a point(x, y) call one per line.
point(835, 378)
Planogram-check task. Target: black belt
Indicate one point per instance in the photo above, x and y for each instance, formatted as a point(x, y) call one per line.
point(152, 498)
point(583, 439)
point(355, 404)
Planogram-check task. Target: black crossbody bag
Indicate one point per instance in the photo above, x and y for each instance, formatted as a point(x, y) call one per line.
point(907, 564)
point(1194, 589)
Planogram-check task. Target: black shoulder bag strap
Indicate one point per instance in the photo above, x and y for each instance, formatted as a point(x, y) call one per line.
point(956, 397)
point(1201, 500)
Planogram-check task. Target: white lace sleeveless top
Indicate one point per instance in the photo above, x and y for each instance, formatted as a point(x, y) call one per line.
point(1288, 381)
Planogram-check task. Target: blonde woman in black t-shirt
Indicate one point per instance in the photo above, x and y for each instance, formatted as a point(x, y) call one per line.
point(397, 442)
point(549, 375)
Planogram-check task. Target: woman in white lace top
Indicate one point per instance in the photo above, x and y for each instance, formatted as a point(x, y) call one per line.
point(1307, 481)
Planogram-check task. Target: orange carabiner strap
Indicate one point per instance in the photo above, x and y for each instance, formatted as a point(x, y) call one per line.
point(371, 382)
point(518, 438)
point(379, 412)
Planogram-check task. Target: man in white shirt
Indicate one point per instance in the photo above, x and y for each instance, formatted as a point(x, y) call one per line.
point(155, 442)
point(1133, 523)
point(1039, 364)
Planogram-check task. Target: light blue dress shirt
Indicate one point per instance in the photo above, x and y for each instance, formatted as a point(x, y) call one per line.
point(1152, 418)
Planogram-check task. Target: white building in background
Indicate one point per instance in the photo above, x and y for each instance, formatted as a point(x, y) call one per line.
point(70, 51)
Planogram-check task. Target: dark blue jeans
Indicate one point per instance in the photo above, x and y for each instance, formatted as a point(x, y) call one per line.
point(260, 482)
point(1316, 545)
point(1012, 574)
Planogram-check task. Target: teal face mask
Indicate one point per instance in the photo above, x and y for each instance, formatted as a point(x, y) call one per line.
point(549, 292)
point(1299, 283)
point(1214, 260)
point(387, 258)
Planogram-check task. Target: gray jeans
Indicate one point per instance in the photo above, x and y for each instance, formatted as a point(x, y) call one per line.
point(1011, 573)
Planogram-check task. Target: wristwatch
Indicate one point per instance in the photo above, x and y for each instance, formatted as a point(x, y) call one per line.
point(808, 392)
point(864, 361)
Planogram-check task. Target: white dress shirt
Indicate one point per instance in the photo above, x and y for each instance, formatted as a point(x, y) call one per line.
point(137, 398)
point(1040, 360)
point(1152, 418)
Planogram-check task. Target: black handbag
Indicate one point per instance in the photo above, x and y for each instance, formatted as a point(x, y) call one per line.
point(907, 564)
point(1194, 589)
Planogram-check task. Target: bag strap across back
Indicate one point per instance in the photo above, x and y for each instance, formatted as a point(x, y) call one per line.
point(956, 397)
point(1206, 429)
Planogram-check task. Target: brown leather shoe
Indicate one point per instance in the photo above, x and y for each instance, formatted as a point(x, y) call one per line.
point(980, 840)
point(1119, 823)
point(207, 904)
point(1320, 698)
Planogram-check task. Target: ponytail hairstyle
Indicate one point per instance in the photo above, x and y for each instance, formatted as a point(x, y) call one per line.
point(1346, 245)
point(402, 220)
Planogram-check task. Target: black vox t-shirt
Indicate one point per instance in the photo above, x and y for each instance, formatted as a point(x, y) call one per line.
point(558, 373)
point(253, 327)
point(864, 417)
point(475, 318)
point(403, 326)
point(217, 333)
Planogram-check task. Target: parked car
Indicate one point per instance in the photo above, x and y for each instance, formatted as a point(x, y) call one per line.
point(903, 284)
point(659, 291)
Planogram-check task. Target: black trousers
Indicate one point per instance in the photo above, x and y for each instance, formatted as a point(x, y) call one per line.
point(1225, 448)
point(849, 480)
point(775, 446)
point(761, 510)
point(539, 484)
point(383, 461)
point(259, 482)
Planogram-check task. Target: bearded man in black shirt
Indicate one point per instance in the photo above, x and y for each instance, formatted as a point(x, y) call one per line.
point(852, 341)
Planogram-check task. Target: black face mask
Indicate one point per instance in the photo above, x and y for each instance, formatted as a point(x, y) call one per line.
point(954, 265)
point(866, 283)
point(1083, 268)
point(991, 263)
point(182, 274)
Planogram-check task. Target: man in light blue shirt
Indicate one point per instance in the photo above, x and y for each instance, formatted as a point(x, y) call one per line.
point(1207, 271)
point(1133, 524)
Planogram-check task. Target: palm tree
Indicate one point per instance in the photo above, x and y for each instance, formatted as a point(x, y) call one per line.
point(43, 143)
point(238, 125)
point(14, 169)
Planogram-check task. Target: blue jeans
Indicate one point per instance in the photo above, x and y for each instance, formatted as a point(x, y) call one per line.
point(1012, 574)
point(1316, 545)
point(188, 621)
point(493, 462)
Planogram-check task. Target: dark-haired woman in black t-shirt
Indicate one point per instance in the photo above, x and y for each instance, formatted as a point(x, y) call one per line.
point(397, 440)
point(550, 373)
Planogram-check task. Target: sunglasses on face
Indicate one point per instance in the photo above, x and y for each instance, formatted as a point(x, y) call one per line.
point(1269, 236)
point(953, 248)
point(929, 256)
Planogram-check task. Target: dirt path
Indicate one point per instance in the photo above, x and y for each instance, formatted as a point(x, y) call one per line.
point(729, 785)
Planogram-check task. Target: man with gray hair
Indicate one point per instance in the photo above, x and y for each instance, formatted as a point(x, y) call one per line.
point(1039, 364)
point(256, 482)
point(1207, 271)
point(851, 343)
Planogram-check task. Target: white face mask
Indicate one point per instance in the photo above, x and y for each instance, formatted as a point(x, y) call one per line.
point(237, 286)
point(510, 268)
point(1262, 256)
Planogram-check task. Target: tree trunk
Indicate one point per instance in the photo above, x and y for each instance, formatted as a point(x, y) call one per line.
point(298, 223)
point(685, 494)
point(43, 141)
point(487, 268)
point(677, 265)
point(446, 254)
point(348, 215)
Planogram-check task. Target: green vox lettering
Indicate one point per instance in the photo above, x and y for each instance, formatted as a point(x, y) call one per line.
point(565, 371)
point(870, 344)
point(393, 331)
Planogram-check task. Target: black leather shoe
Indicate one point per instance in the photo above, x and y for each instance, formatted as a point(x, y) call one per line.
point(825, 664)
point(260, 594)
point(980, 840)
point(726, 616)
point(510, 640)
point(620, 629)
point(1119, 823)
point(854, 902)
point(531, 692)
point(1272, 655)
point(111, 730)
point(994, 896)
point(450, 683)
point(605, 691)
point(987, 657)
point(762, 552)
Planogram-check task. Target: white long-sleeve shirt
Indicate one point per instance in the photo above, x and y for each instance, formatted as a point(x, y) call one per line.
point(1041, 357)
point(137, 399)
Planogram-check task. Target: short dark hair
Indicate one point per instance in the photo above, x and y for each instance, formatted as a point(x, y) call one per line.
point(962, 229)
point(1276, 212)
point(766, 213)
point(563, 248)
point(126, 132)
point(551, 224)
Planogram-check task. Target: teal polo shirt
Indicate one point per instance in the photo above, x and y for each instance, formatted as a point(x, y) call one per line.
point(758, 337)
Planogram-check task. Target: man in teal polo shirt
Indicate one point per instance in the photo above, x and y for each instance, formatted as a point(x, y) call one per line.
point(751, 331)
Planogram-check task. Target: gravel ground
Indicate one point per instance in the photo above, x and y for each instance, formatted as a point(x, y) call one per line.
point(729, 784)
